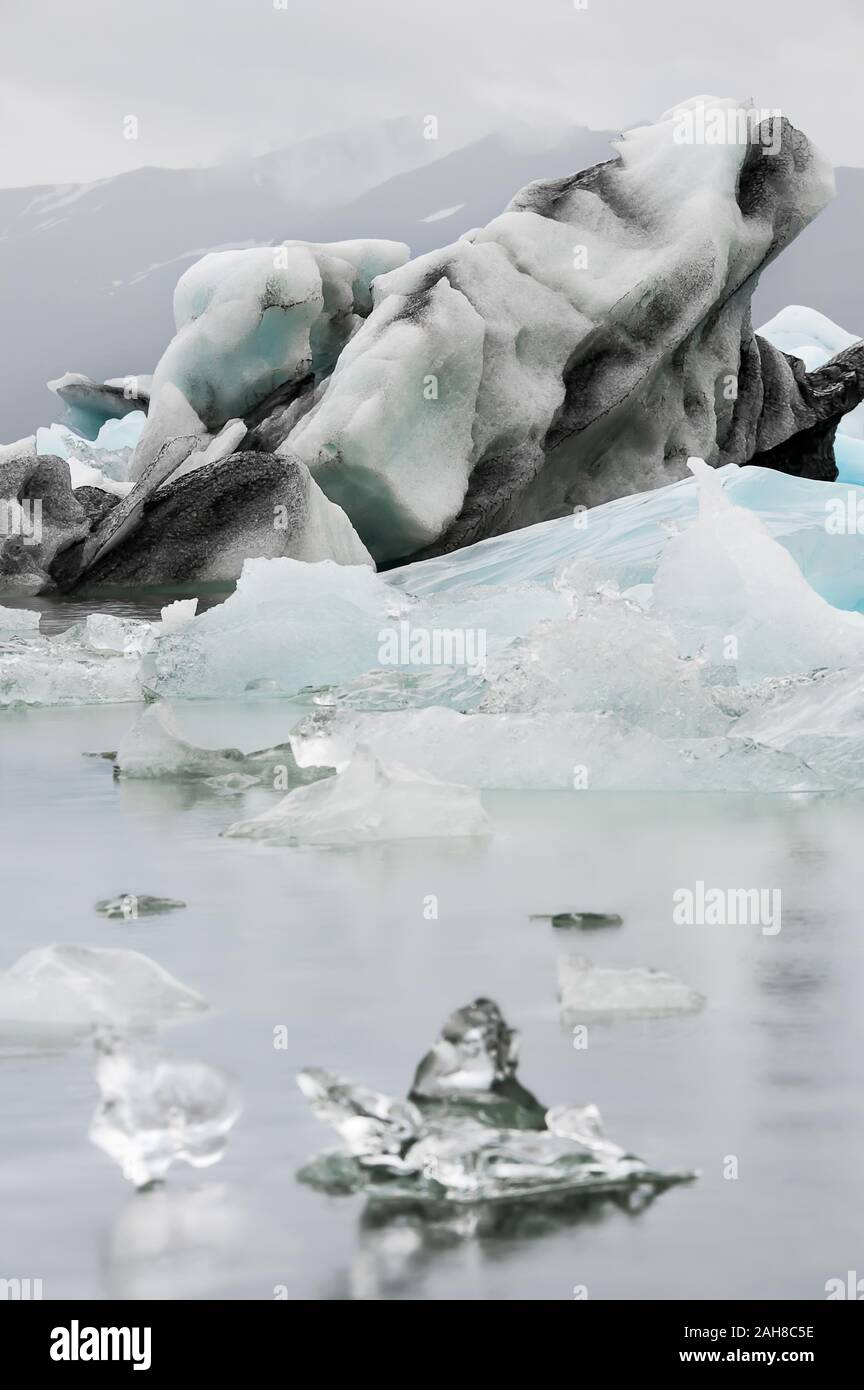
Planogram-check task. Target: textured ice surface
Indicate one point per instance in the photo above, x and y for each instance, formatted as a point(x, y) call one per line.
point(452, 411)
point(263, 630)
point(18, 622)
point(103, 462)
point(552, 750)
point(156, 1110)
point(589, 991)
point(155, 748)
point(469, 1133)
point(55, 993)
point(250, 321)
point(812, 336)
point(626, 538)
point(725, 577)
point(367, 801)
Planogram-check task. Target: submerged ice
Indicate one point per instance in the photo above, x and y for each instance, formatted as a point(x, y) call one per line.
point(156, 1110)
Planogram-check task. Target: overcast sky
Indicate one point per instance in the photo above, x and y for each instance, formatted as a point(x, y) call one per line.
point(210, 80)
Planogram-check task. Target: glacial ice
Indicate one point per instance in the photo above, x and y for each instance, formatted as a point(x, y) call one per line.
point(469, 1132)
point(103, 462)
point(56, 994)
point(368, 801)
point(156, 1110)
point(591, 991)
point(18, 622)
point(725, 577)
point(262, 630)
point(251, 321)
point(805, 333)
point(574, 348)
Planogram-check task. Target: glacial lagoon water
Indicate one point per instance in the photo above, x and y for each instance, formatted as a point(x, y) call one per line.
point(333, 947)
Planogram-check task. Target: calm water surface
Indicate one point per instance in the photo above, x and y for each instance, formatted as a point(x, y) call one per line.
point(334, 946)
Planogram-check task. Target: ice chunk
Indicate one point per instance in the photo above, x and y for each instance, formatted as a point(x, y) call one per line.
point(811, 336)
point(156, 1110)
point(370, 1123)
point(250, 321)
point(56, 993)
point(360, 625)
point(177, 614)
point(155, 747)
point(130, 906)
point(104, 462)
point(475, 1052)
point(105, 632)
point(18, 622)
point(368, 801)
point(589, 991)
point(65, 670)
point(453, 1145)
point(586, 921)
point(724, 578)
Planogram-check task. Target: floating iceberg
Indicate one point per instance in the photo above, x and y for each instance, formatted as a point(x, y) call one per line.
point(591, 991)
point(130, 906)
point(455, 1139)
point(155, 748)
point(368, 801)
point(55, 994)
point(18, 622)
point(157, 1110)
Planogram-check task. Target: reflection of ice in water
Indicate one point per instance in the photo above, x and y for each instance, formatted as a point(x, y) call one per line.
point(175, 1244)
point(157, 1109)
point(470, 1132)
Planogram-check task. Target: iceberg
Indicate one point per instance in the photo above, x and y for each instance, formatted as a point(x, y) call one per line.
point(155, 748)
point(469, 1132)
point(157, 1110)
point(55, 995)
point(597, 991)
point(368, 801)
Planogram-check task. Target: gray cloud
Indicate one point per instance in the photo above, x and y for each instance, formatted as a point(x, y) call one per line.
point(208, 79)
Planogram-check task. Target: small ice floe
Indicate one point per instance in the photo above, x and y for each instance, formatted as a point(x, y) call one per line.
point(55, 995)
point(156, 1110)
point(585, 921)
point(469, 1132)
point(130, 906)
point(18, 622)
point(369, 801)
point(588, 990)
point(155, 748)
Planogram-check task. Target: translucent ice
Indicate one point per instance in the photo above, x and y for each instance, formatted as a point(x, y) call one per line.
point(724, 578)
point(56, 993)
point(156, 1110)
point(589, 991)
point(18, 622)
point(156, 748)
point(368, 801)
point(450, 1142)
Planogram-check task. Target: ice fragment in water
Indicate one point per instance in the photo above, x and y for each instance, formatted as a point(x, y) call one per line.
point(18, 622)
point(154, 747)
point(590, 990)
point(156, 1110)
point(56, 993)
point(132, 905)
point(369, 801)
point(445, 1145)
point(585, 920)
